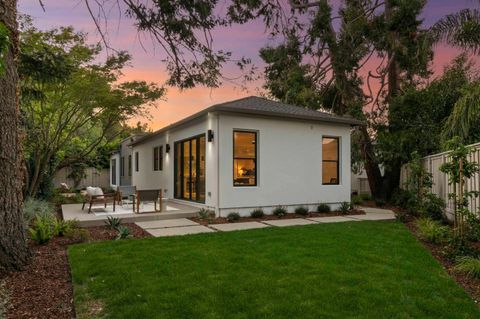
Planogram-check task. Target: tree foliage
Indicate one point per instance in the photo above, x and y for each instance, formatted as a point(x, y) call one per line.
point(71, 104)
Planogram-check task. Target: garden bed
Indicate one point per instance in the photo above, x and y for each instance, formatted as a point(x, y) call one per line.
point(471, 285)
point(44, 288)
point(224, 220)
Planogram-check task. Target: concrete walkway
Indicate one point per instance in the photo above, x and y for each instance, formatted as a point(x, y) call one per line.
point(184, 226)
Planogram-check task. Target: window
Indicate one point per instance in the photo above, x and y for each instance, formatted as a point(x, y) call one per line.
point(136, 161)
point(244, 158)
point(122, 166)
point(330, 160)
point(158, 158)
point(129, 165)
point(113, 169)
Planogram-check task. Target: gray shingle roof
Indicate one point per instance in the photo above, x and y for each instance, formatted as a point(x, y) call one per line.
point(259, 106)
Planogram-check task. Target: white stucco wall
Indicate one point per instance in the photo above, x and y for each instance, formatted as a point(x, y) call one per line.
point(147, 178)
point(289, 165)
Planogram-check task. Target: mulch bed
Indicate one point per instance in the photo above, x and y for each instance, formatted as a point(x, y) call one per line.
point(223, 220)
point(44, 289)
point(471, 285)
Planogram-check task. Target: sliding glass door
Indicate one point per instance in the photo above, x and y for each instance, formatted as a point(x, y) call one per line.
point(190, 169)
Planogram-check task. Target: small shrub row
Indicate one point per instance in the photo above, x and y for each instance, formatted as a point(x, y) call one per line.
point(206, 214)
point(432, 230)
point(233, 217)
point(280, 211)
point(301, 210)
point(257, 213)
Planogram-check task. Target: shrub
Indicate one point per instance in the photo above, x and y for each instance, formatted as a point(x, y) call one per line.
point(432, 207)
point(406, 200)
point(34, 207)
point(472, 229)
point(206, 214)
point(366, 197)
point(280, 211)
point(123, 232)
point(401, 216)
point(344, 207)
point(432, 230)
point(323, 208)
point(257, 213)
point(357, 200)
point(458, 246)
point(301, 210)
point(78, 234)
point(42, 230)
point(61, 227)
point(380, 202)
point(469, 265)
point(113, 222)
point(233, 217)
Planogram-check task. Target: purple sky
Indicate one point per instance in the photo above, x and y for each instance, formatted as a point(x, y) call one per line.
point(243, 40)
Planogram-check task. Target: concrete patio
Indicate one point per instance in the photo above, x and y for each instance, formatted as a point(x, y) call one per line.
point(171, 210)
point(184, 226)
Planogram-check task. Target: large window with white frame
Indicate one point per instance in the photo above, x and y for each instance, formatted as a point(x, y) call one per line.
point(330, 160)
point(245, 158)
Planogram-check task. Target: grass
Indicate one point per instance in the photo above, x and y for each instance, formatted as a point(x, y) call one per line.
point(356, 269)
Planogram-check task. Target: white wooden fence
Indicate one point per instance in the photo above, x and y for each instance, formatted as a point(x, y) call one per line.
point(440, 186)
point(93, 177)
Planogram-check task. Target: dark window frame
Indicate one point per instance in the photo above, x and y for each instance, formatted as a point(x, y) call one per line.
point(130, 165)
point(178, 172)
point(332, 161)
point(158, 158)
point(136, 162)
point(244, 158)
point(122, 166)
point(113, 165)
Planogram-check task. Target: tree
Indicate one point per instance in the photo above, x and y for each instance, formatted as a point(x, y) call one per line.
point(14, 253)
point(460, 29)
point(338, 52)
point(65, 126)
point(417, 116)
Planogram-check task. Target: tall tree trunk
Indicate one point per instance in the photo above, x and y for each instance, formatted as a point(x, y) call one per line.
point(371, 166)
point(14, 253)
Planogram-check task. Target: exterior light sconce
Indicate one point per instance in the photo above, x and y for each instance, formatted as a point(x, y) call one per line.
point(210, 135)
point(167, 148)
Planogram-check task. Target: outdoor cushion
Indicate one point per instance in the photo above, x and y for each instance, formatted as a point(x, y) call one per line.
point(95, 191)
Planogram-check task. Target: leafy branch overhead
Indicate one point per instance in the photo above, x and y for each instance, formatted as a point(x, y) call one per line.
point(73, 106)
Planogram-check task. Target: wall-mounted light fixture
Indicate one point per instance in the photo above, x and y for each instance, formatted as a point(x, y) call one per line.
point(210, 135)
point(167, 148)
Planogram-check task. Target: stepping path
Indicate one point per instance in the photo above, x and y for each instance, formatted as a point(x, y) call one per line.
point(177, 231)
point(289, 222)
point(238, 226)
point(333, 219)
point(167, 223)
point(184, 226)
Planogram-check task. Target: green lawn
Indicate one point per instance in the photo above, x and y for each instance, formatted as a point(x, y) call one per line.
point(355, 269)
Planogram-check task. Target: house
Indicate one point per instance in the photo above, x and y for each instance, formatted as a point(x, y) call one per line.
point(121, 163)
point(244, 154)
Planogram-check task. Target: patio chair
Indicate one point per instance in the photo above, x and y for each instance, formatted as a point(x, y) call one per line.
point(150, 195)
point(126, 194)
point(95, 195)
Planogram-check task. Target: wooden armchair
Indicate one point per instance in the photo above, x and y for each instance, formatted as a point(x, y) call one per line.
point(150, 195)
point(95, 195)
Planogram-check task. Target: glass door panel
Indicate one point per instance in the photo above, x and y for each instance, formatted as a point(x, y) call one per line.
point(190, 169)
point(186, 170)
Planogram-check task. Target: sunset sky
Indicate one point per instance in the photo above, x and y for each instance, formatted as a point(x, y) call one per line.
point(243, 40)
